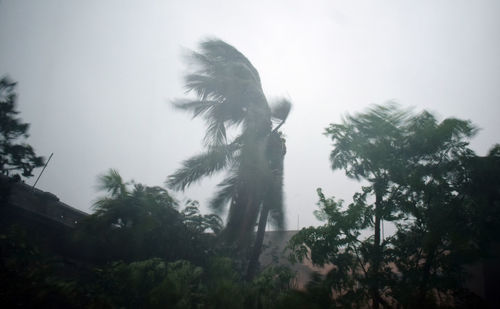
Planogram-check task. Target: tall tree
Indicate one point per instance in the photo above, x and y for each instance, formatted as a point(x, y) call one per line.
point(433, 201)
point(15, 155)
point(416, 169)
point(229, 95)
point(368, 146)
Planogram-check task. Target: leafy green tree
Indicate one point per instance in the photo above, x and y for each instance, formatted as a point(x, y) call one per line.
point(339, 243)
point(15, 155)
point(414, 167)
point(435, 212)
point(229, 95)
point(368, 146)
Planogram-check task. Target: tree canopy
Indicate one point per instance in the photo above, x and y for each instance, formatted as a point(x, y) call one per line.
point(416, 169)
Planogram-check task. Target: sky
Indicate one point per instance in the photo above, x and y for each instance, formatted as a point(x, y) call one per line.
point(96, 78)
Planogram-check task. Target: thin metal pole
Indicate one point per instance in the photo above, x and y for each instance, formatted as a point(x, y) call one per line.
point(42, 170)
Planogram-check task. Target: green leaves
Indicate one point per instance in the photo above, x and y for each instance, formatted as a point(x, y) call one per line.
point(365, 144)
point(199, 223)
point(421, 176)
point(112, 182)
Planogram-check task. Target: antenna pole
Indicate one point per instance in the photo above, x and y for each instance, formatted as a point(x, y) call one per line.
point(42, 170)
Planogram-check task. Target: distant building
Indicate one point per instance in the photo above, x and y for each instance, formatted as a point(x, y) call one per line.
point(40, 213)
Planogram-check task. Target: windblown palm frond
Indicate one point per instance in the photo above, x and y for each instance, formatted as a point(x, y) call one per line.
point(227, 190)
point(197, 107)
point(113, 183)
point(281, 109)
point(227, 87)
point(217, 52)
point(205, 164)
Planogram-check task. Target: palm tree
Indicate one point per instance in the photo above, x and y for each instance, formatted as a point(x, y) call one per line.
point(229, 95)
point(134, 221)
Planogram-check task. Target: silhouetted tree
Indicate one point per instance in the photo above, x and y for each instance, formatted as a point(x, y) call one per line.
point(229, 94)
point(15, 155)
point(433, 208)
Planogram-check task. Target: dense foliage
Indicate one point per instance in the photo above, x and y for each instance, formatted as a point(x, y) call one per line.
point(34, 278)
point(135, 251)
point(139, 222)
point(418, 173)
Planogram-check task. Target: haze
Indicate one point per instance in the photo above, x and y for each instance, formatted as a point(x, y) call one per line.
point(96, 78)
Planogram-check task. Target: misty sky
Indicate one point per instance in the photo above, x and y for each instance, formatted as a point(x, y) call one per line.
point(96, 78)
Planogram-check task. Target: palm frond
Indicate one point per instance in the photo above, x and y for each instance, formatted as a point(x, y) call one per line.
point(112, 183)
point(196, 107)
point(227, 189)
point(281, 109)
point(205, 164)
point(216, 133)
point(219, 50)
point(206, 87)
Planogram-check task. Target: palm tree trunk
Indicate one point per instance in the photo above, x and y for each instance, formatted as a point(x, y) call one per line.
point(254, 257)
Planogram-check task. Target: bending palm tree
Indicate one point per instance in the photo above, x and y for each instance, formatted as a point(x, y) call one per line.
point(229, 94)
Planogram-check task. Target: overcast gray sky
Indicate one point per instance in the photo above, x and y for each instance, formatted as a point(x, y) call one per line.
point(96, 78)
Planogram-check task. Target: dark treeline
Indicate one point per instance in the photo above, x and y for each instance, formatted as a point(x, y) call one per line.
point(141, 249)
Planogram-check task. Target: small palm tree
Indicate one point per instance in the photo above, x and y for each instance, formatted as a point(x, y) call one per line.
point(134, 221)
point(229, 95)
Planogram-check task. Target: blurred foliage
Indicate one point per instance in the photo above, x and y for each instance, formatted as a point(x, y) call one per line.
point(241, 138)
point(136, 251)
point(15, 155)
point(32, 279)
point(141, 249)
point(424, 179)
point(136, 222)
